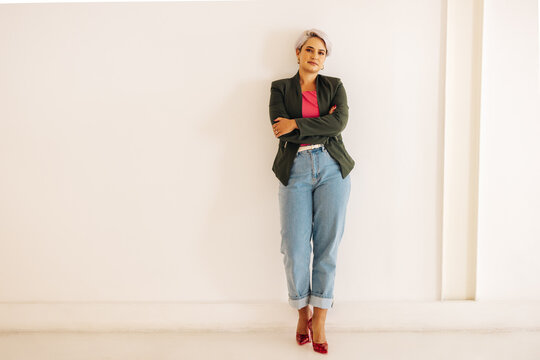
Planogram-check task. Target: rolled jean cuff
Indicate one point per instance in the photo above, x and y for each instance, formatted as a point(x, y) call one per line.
point(299, 303)
point(320, 302)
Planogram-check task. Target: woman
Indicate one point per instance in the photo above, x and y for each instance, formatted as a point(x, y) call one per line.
point(308, 112)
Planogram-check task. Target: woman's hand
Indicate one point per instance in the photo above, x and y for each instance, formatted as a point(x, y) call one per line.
point(283, 126)
point(332, 109)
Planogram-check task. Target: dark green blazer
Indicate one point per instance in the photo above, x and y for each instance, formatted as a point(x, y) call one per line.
point(286, 101)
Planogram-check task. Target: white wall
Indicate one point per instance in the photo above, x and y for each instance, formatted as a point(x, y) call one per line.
point(509, 192)
point(137, 149)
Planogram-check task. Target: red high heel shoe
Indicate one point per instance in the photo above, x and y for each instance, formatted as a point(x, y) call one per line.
point(318, 347)
point(321, 347)
point(302, 339)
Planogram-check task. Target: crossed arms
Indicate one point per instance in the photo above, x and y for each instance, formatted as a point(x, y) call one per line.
point(310, 130)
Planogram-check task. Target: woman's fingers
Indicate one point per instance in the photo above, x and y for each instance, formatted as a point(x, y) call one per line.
point(275, 129)
point(332, 109)
point(283, 127)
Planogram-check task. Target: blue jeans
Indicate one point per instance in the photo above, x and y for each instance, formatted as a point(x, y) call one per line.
point(314, 204)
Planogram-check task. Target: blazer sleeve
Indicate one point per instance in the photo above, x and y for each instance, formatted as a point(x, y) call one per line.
point(330, 124)
point(277, 109)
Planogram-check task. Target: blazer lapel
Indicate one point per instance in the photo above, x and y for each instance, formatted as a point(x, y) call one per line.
point(295, 102)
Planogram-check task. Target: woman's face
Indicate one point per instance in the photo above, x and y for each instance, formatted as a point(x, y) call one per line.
point(312, 55)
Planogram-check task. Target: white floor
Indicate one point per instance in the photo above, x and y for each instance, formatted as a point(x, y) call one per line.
point(515, 345)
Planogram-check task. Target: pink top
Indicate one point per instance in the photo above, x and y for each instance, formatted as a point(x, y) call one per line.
point(310, 108)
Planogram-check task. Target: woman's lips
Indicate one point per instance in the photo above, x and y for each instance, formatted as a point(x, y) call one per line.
point(312, 63)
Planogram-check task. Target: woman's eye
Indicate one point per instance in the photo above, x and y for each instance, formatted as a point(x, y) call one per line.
point(321, 53)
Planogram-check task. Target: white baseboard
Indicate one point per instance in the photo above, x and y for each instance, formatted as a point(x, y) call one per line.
point(253, 316)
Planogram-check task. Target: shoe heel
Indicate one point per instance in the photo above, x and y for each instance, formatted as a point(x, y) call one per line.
point(302, 339)
point(318, 347)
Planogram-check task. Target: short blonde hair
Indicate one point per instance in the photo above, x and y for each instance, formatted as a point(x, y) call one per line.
point(314, 33)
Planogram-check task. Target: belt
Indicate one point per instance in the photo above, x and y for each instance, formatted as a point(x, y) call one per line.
point(309, 147)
